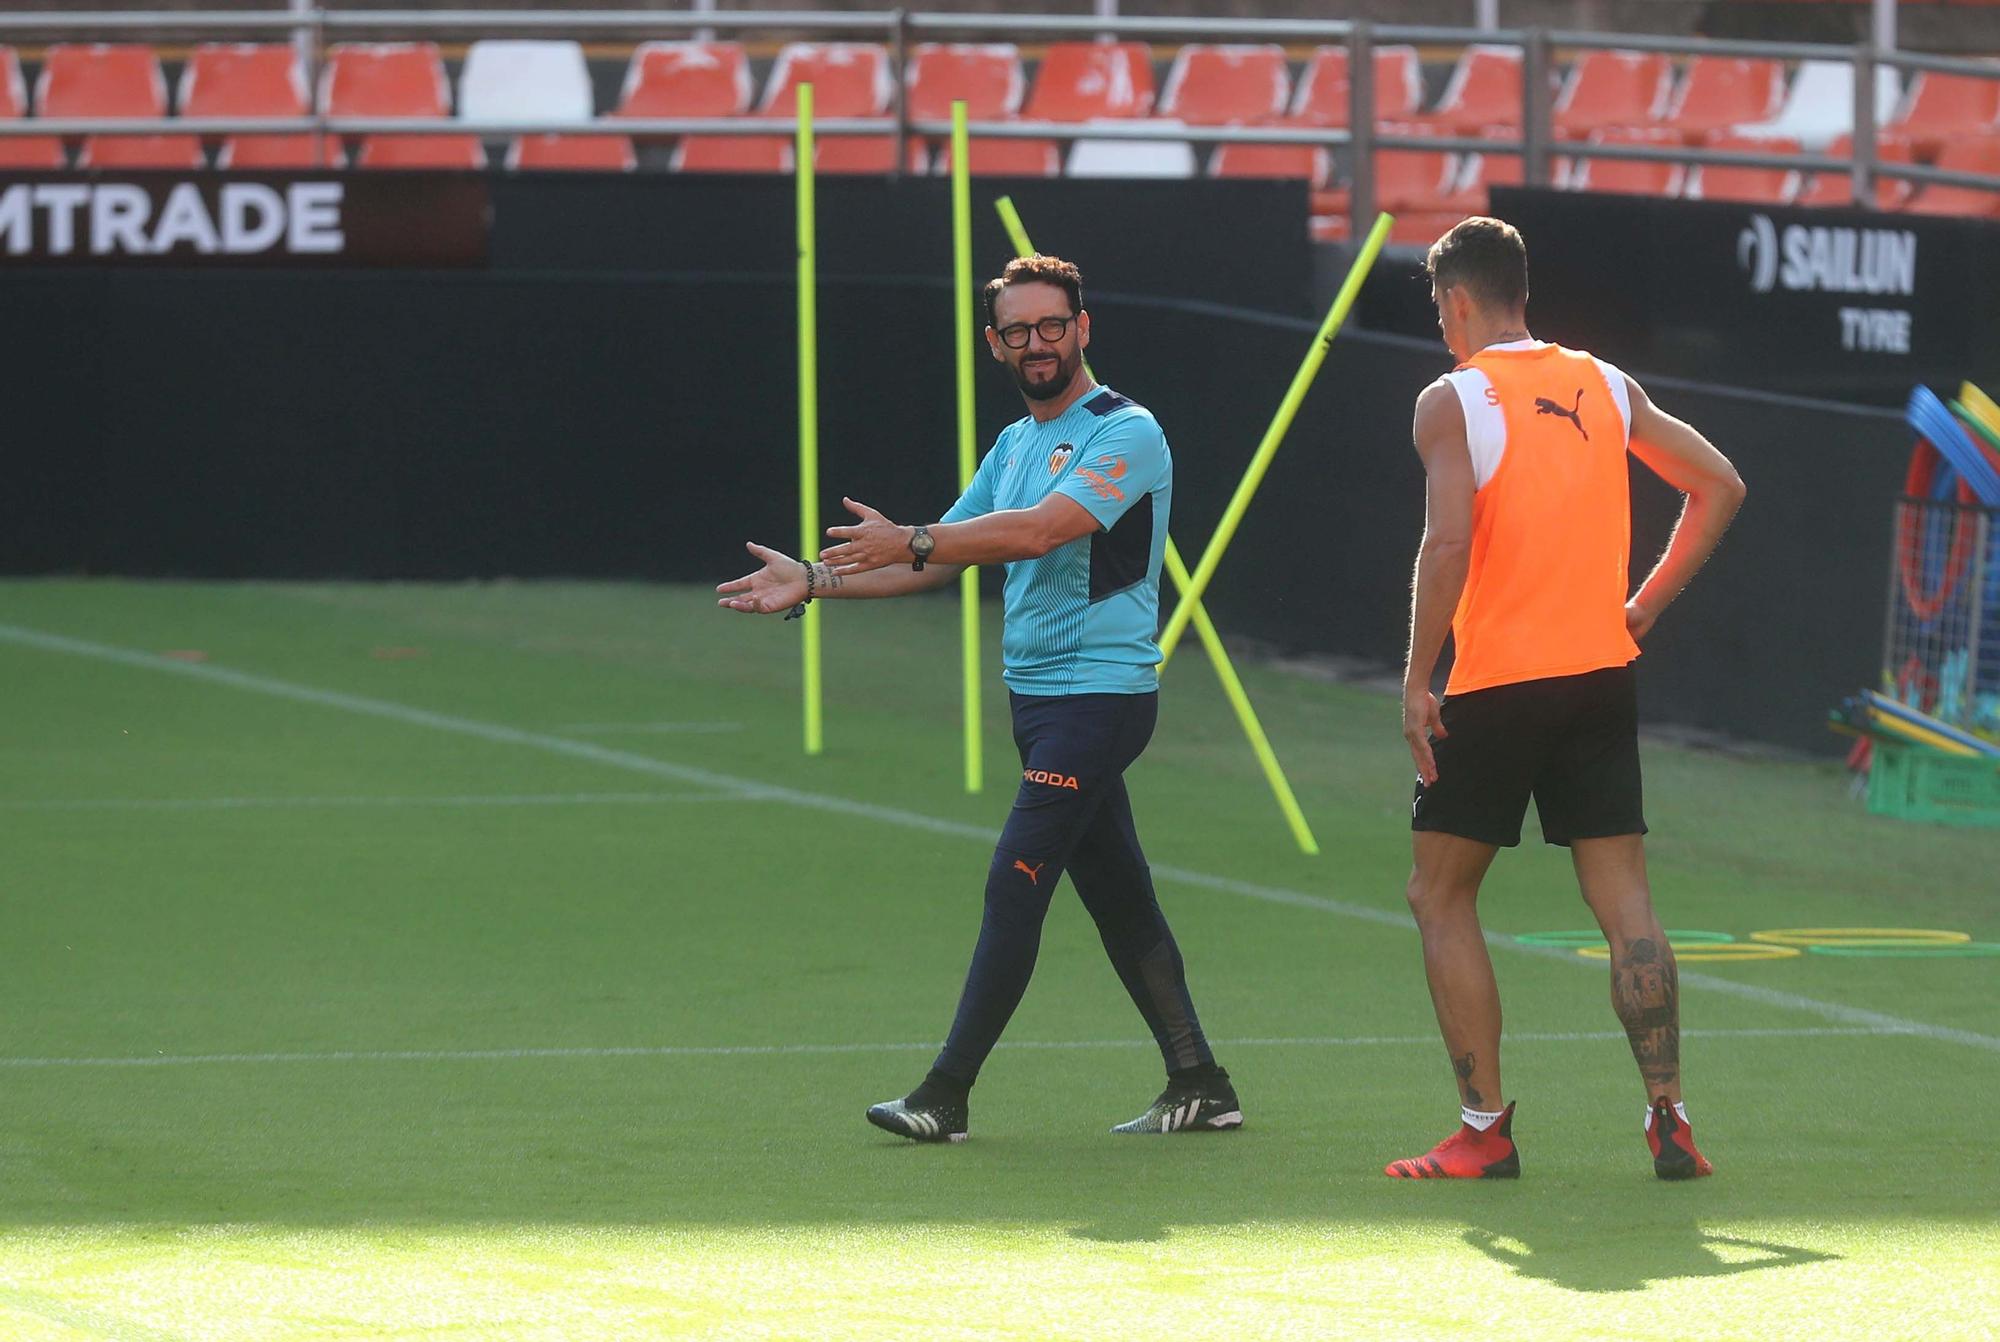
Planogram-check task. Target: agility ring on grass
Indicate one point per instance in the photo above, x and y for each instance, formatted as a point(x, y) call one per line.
point(1786, 943)
point(1593, 937)
point(1709, 952)
point(1965, 950)
point(1880, 943)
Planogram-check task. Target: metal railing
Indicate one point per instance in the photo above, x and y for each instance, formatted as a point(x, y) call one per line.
point(897, 29)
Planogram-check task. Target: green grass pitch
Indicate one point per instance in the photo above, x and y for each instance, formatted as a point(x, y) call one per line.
point(487, 961)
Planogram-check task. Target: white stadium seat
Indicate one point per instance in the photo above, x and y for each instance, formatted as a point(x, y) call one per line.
point(540, 81)
point(1820, 107)
point(1132, 158)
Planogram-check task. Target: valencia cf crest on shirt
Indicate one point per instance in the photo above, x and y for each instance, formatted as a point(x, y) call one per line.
point(1060, 458)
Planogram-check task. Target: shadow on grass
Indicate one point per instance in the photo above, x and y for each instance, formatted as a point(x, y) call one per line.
point(1644, 1253)
point(1629, 1253)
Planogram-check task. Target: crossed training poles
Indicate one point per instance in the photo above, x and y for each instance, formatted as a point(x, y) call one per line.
point(1190, 586)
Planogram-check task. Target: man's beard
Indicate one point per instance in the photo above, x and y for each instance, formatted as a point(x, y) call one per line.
point(1066, 366)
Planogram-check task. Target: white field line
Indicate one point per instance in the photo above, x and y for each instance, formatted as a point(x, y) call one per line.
point(400, 803)
point(500, 734)
point(651, 728)
point(765, 1050)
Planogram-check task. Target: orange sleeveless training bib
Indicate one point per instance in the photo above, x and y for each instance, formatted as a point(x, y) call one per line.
point(1547, 583)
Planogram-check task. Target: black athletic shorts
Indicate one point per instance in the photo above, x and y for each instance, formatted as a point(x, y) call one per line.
point(1570, 742)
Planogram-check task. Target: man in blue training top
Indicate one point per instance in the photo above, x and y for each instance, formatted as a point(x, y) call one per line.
point(1073, 500)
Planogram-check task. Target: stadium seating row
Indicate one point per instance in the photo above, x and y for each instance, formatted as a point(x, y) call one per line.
point(1606, 97)
point(1419, 186)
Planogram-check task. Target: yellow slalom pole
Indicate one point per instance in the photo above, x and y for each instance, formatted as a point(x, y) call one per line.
point(802, 170)
point(1281, 422)
point(1232, 686)
point(1239, 699)
point(968, 581)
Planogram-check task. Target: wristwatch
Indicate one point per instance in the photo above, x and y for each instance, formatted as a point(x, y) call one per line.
point(921, 545)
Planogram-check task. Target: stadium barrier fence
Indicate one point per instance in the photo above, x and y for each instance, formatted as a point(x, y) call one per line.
point(314, 29)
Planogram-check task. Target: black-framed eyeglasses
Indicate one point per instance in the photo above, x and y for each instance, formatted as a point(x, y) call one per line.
point(1050, 329)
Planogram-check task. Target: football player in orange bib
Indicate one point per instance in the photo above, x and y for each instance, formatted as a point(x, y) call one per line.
point(1526, 538)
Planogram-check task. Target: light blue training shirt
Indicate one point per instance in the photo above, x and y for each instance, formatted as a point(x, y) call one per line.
point(1083, 618)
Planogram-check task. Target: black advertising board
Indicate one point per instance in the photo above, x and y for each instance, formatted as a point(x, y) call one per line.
point(344, 220)
point(613, 396)
point(1238, 242)
point(733, 228)
point(1842, 304)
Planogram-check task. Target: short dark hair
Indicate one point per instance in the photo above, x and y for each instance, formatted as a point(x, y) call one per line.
point(1487, 258)
point(1036, 269)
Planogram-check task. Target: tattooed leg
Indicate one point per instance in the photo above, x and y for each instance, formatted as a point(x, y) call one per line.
point(1645, 992)
point(1463, 1066)
point(1645, 984)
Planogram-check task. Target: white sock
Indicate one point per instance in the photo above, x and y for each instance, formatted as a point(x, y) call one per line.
point(1473, 1118)
point(1680, 1108)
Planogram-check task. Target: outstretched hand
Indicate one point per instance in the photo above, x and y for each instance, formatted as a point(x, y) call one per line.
point(874, 542)
point(778, 586)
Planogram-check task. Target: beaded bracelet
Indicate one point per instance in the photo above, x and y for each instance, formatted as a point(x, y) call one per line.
point(800, 609)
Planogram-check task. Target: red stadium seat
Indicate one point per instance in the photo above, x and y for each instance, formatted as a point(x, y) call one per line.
point(1503, 167)
point(1969, 155)
point(1942, 108)
point(993, 157)
point(1837, 188)
point(573, 153)
point(1488, 169)
point(1750, 186)
point(686, 79)
point(247, 80)
point(399, 79)
point(861, 154)
point(698, 79)
point(1081, 81)
point(396, 79)
point(1226, 85)
point(1310, 163)
point(1422, 228)
point(461, 152)
point(1609, 89)
point(1420, 181)
point(1719, 92)
point(113, 81)
point(1329, 228)
point(734, 153)
point(987, 78)
point(1484, 90)
point(1322, 98)
point(1632, 176)
point(849, 79)
point(36, 151)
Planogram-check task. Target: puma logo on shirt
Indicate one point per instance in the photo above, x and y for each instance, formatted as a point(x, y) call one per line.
point(1544, 406)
